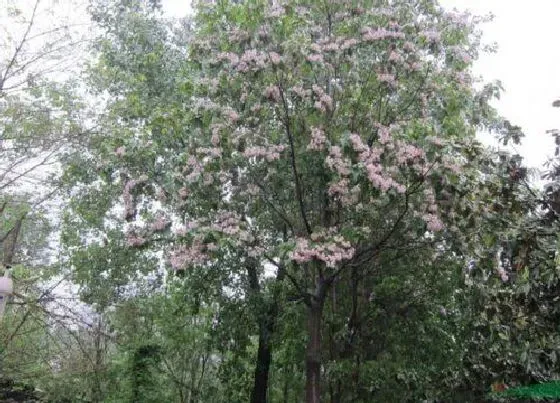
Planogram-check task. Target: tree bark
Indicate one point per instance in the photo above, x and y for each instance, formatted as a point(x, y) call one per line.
point(262, 367)
point(266, 321)
point(313, 352)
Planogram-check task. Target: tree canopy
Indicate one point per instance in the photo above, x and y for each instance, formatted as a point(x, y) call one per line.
point(279, 202)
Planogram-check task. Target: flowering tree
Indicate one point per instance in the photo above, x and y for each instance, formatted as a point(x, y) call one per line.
point(306, 139)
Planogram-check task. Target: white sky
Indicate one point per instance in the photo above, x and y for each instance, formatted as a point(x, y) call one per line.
point(527, 63)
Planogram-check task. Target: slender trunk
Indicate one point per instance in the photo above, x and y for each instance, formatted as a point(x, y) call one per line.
point(313, 352)
point(262, 368)
point(266, 322)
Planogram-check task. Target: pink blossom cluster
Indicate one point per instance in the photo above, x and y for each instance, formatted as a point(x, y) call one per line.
point(381, 180)
point(463, 78)
point(275, 58)
point(339, 188)
point(227, 222)
point(460, 54)
point(270, 153)
point(409, 152)
point(272, 93)
point(395, 57)
point(252, 60)
point(359, 146)
point(334, 45)
point(318, 139)
point(128, 198)
point(195, 168)
point(330, 250)
point(237, 35)
point(384, 133)
point(432, 36)
point(184, 256)
point(409, 47)
point(430, 200)
point(211, 152)
point(369, 157)
point(371, 35)
point(184, 193)
point(453, 166)
point(215, 139)
point(348, 43)
point(459, 18)
point(337, 162)
point(120, 151)
point(301, 92)
point(324, 102)
point(387, 78)
point(330, 47)
point(433, 222)
point(160, 223)
point(315, 58)
point(414, 66)
point(341, 191)
point(230, 114)
point(134, 240)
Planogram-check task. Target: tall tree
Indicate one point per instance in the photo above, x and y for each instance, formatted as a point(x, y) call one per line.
point(309, 140)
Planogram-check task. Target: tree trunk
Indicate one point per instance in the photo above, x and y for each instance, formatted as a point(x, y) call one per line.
point(266, 321)
point(313, 352)
point(262, 368)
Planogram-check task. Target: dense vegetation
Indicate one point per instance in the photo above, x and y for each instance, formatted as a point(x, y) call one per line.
point(269, 202)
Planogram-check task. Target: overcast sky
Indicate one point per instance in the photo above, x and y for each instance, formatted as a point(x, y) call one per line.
point(526, 62)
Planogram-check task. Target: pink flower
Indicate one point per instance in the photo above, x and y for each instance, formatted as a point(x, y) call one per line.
point(349, 43)
point(134, 240)
point(161, 223)
point(300, 92)
point(330, 47)
point(431, 36)
point(336, 162)
point(185, 256)
point(215, 140)
point(395, 57)
point(315, 58)
point(275, 58)
point(183, 193)
point(326, 248)
point(120, 151)
point(409, 47)
point(387, 78)
point(231, 115)
point(433, 222)
point(339, 188)
point(318, 139)
point(272, 92)
point(270, 153)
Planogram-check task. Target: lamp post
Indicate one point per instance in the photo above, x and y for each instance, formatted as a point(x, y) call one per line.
point(6, 289)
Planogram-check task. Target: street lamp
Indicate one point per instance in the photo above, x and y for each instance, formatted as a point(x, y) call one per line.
point(6, 289)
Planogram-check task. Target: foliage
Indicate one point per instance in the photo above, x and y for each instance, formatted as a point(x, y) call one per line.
point(280, 200)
